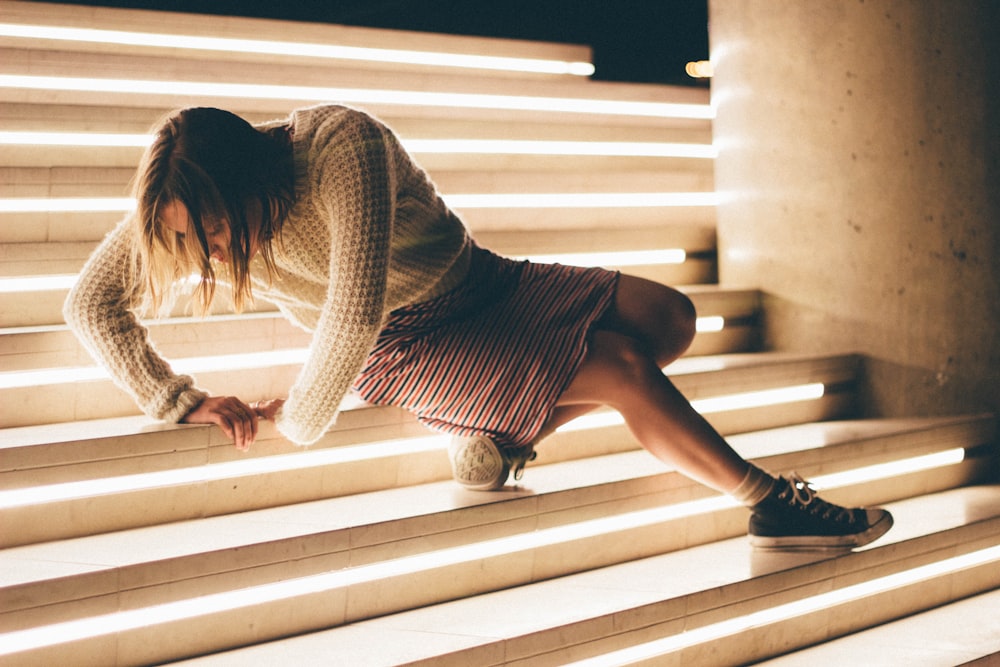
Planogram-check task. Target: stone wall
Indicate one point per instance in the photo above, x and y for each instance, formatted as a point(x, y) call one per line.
point(859, 148)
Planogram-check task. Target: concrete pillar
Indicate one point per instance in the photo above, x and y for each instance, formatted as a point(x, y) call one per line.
point(859, 149)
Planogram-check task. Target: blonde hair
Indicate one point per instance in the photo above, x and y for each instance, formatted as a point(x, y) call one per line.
point(224, 171)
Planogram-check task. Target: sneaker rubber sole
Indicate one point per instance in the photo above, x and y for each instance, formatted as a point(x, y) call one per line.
point(879, 523)
point(477, 464)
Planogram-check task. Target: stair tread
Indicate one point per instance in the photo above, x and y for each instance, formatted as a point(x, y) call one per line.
point(618, 591)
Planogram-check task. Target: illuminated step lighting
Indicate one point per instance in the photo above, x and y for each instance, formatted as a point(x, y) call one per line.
point(759, 399)
point(67, 204)
point(101, 139)
point(313, 50)
point(741, 401)
point(621, 258)
point(300, 460)
point(710, 324)
point(10, 285)
point(359, 96)
point(264, 359)
point(790, 610)
point(579, 148)
point(467, 201)
point(426, 146)
point(55, 634)
point(583, 200)
point(190, 365)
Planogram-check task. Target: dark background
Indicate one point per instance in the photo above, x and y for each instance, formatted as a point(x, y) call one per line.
point(646, 41)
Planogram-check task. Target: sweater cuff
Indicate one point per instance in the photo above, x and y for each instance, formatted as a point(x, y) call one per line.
point(187, 401)
point(298, 433)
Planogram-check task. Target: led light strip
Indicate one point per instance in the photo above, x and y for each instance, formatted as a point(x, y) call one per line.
point(359, 96)
point(623, 258)
point(459, 201)
point(100, 139)
point(58, 633)
point(424, 146)
point(584, 200)
point(620, 258)
point(313, 50)
point(741, 401)
point(269, 358)
point(300, 460)
point(66, 204)
point(191, 365)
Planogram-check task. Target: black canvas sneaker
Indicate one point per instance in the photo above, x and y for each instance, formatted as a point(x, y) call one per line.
point(794, 518)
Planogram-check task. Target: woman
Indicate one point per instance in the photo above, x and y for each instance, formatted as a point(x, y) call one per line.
point(326, 215)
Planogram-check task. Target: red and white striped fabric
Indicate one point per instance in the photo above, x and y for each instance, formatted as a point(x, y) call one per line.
point(493, 355)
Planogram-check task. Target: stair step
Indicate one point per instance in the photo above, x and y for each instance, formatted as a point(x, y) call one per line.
point(961, 633)
point(49, 152)
point(609, 606)
point(159, 30)
point(108, 182)
point(82, 118)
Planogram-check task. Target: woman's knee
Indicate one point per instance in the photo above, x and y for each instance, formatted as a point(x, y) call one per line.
point(616, 366)
point(664, 318)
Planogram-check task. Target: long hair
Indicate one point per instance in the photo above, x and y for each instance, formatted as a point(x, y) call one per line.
point(223, 170)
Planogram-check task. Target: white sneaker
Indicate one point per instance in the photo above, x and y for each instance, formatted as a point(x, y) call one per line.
point(479, 465)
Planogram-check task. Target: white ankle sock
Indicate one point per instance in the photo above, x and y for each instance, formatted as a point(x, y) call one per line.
point(755, 486)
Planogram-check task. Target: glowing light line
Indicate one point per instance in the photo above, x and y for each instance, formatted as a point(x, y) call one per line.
point(299, 49)
point(425, 146)
point(358, 96)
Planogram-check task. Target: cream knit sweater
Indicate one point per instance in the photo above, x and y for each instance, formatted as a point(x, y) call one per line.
point(368, 233)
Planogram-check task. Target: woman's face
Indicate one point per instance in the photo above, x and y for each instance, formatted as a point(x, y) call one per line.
point(217, 233)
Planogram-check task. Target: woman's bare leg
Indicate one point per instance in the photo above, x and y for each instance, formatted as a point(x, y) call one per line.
point(617, 373)
point(649, 326)
point(659, 316)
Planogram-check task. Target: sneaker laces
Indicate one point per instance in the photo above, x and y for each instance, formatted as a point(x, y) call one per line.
point(803, 495)
point(518, 457)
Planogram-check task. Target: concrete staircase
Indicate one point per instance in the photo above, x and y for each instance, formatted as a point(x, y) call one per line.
point(130, 542)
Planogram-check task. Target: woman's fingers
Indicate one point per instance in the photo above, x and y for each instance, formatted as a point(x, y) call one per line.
point(236, 419)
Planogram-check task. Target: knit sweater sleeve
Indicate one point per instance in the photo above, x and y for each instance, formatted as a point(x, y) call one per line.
point(353, 180)
point(98, 313)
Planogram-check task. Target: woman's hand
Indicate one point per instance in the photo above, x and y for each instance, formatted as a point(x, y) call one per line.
point(236, 419)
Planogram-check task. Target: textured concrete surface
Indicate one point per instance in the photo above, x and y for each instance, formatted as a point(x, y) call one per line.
point(859, 152)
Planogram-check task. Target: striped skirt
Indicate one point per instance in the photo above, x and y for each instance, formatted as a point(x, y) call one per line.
point(493, 355)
